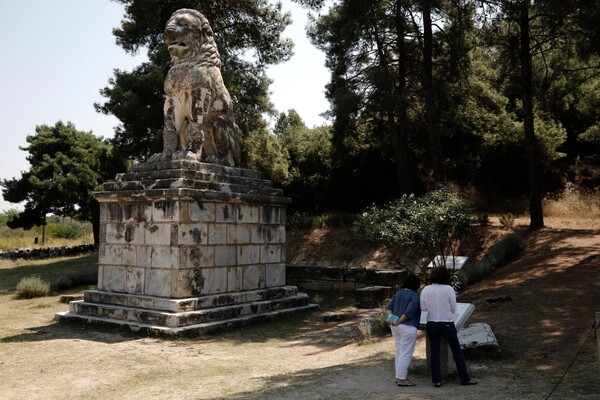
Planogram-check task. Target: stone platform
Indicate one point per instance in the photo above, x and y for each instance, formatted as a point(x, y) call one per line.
point(189, 247)
point(185, 317)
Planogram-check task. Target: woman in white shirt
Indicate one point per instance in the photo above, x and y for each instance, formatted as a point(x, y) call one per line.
point(439, 300)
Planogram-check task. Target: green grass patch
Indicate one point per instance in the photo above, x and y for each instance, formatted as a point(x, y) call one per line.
point(59, 232)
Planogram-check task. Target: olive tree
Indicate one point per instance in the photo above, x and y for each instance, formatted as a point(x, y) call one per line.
point(417, 229)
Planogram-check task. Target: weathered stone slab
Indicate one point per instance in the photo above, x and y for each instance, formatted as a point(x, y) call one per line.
point(372, 296)
point(67, 298)
point(462, 314)
point(478, 340)
point(186, 331)
point(341, 278)
point(183, 318)
point(188, 304)
point(455, 263)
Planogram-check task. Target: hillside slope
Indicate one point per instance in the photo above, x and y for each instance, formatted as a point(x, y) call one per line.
point(545, 329)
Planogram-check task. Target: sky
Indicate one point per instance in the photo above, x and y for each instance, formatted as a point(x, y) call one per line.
point(57, 55)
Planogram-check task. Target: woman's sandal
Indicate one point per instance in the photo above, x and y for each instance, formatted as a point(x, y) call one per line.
point(471, 382)
point(406, 382)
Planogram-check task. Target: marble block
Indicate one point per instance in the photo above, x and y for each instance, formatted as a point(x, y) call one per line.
point(455, 263)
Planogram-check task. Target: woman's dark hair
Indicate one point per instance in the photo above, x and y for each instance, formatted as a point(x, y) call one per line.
point(440, 275)
point(412, 282)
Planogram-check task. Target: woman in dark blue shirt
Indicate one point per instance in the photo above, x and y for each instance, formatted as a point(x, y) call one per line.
point(404, 315)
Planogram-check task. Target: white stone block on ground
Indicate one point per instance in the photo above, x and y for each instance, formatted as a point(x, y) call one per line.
point(478, 339)
point(455, 263)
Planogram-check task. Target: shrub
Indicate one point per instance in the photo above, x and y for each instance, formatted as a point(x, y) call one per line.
point(32, 286)
point(497, 256)
point(366, 330)
point(504, 251)
point(339, 220)
point(424, 226)
point(380, 321)
point(507, 220)
point(483, 219)
point(329, 220)
point(68, 228)
point(317, 299)
point(298, 220)
point(75, 279)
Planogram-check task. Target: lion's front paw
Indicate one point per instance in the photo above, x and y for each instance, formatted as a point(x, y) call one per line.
point(184, 155)
point(191, 156)
point(164, 156)
point(155, 157)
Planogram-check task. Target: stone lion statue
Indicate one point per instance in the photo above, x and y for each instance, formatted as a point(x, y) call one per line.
point(199, 122)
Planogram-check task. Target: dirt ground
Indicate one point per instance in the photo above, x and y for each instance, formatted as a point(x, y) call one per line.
point(548, 349)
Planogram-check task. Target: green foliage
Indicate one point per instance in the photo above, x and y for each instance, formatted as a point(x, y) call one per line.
point(74, 279)
point(308, 152)
point(327, 220)
point(424, 226)
point(7, 215)
point(483, 219)
point(504, 251)
point(59, 232)
point(591, 135)
point(300, 220)
point(370, 91)
point(507, 220)
point(66, 165)
point(551, 136)
point(380, 321)
point(497, 256)
point(32, 286)
point(68, 228)
point(377, 60)
point(264, 153)
point(248, 34)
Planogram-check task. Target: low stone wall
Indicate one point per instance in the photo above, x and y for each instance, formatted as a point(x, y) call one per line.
point(341, 278)
point(47, 252)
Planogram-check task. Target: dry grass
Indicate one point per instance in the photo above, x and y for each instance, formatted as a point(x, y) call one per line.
point(574, 204)
point(58, 232)
point(50, 270)
point(300, 357)
point(26, 240)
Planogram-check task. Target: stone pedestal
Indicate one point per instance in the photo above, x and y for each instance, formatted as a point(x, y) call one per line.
point(189, 247)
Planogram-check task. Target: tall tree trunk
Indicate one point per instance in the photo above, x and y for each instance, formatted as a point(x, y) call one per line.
point(397, 130)
point(400, 138)
point(395, 111)
point(531, 142)
point(428, 96)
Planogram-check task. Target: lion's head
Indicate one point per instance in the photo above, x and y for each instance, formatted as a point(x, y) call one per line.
point(189, 37)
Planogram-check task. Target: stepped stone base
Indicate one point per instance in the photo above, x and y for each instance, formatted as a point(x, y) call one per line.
point(189, 248)
point(185, 317)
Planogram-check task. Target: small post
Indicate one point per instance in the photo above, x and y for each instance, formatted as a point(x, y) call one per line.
point(597, 328)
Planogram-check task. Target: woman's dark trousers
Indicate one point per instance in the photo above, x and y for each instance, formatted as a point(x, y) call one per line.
point(435, 332)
